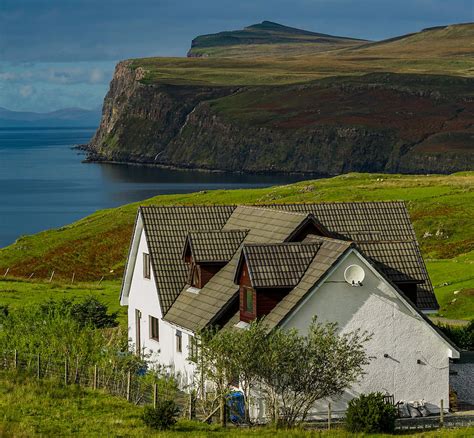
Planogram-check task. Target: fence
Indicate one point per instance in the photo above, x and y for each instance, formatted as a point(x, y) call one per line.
point(122, 382)
point(135, 388)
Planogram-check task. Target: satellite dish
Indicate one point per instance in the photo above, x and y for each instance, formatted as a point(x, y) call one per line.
point(354, 275)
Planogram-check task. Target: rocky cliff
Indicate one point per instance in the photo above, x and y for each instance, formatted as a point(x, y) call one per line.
point(373, 123)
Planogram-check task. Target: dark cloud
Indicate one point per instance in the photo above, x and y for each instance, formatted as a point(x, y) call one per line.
point(56, 53)
point(90, 30)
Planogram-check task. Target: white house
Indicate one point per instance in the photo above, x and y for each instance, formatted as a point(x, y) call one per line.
point(357, 264)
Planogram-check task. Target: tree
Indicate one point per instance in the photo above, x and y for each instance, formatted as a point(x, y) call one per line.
point(292, 370)
point(297, 370)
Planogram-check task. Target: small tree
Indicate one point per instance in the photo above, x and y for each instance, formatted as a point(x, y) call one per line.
point(214, 365)
point(297, 370)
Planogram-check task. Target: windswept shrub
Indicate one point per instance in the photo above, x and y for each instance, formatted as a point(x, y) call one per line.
point(462, 336)
point(163, 416)
point(369, 413)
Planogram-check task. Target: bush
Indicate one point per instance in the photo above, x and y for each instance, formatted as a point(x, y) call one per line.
point(462, 336)
point(163, 416)
point(370, 414)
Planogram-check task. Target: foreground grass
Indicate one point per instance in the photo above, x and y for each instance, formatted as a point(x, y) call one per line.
point(30, 408)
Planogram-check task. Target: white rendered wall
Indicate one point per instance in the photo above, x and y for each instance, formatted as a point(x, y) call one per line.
point(404, 336)
point(143, 296)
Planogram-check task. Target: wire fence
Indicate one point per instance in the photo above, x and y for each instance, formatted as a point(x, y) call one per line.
point(134, 385)
point(131, 384)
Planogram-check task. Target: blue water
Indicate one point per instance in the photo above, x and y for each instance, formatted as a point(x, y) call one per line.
point(44, 184)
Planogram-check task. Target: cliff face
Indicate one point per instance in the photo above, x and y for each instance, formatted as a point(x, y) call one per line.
point(377, 123)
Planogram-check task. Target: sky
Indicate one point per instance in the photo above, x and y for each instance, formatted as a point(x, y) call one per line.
point(61, 53)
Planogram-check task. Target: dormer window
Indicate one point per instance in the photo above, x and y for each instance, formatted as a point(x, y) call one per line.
point(207, 252)
point(249, 301)
point(267, 273)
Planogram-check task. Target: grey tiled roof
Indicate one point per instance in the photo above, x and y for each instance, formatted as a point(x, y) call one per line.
point(166, 229)
point(279, 264)
point(330, 251)
point(265, 226)
point(383, 231)
point(214, 246)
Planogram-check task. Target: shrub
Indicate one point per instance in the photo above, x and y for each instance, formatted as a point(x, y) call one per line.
point(163, 416)
point(463, 336)
point(370, 414)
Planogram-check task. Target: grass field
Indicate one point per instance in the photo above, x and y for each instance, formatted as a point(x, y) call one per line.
point(30, 408)
point(439, 51)
point(441, 208)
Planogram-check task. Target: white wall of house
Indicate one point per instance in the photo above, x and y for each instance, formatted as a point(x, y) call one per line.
point(397, 331)
point(143, 296)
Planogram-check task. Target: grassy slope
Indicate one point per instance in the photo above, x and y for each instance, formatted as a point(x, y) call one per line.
point(441, 206)
point(440, 51)
point(29, 408)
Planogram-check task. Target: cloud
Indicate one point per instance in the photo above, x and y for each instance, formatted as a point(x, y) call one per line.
point(91, 30)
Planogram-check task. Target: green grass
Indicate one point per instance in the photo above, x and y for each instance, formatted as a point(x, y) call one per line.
point(441, 208)
point(29, 408)
point(18, 293)
point(454, 275)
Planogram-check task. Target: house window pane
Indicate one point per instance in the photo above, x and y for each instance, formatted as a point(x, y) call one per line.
point(154, 328)
point(248, 300)
point(179, 341)
point(146, 265)
point(192, 346)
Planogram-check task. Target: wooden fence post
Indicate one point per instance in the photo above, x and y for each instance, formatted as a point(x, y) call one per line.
point(94, 385)
point(6, 272)
point(51, 278)
point(155, 395)
point(38, 366)
point(129, 382)
point(441, 414)
point(16, 359)
point(73, 276)
point(192, 405)
point(66, 371)
point(329, 415)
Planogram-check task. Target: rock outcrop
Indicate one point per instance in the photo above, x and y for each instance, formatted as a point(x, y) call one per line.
point(376, 123)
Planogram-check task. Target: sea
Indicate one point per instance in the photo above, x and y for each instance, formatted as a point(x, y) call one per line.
point(44, 183)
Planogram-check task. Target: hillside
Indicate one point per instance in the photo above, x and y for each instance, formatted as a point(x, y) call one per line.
point(441, 208)
point(402, 105)
point(266, 38)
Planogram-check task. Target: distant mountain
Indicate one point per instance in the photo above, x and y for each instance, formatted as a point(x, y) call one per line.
point(67, 117)
point(257, 38)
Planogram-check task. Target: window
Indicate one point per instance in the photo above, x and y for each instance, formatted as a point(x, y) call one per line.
point(192, 345)
point(248, 300)
point(179, 341)
point(154, 329)
point(146, 265)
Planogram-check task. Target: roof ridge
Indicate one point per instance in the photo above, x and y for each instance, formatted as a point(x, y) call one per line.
point(331, 239)
point(282, 244)
point(233, 230)
point(263, 208)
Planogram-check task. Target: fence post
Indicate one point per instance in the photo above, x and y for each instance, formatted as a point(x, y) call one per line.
point(329, 416)
point(155, 395)
point(129, 382)
point(38, 367)
point(94, 385)
point(66, 371)
point(192, 405)
point(16, 359)
point(51, 278)
point(441, 414)
point(73, 276)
